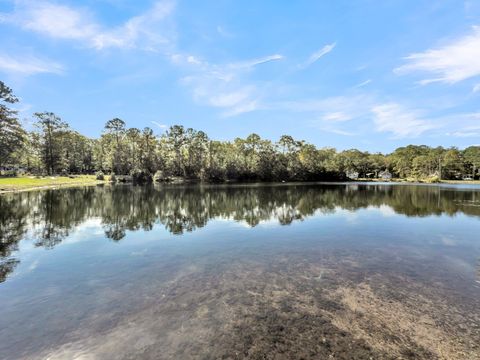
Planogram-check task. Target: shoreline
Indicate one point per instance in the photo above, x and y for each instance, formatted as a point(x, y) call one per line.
point(23, 184)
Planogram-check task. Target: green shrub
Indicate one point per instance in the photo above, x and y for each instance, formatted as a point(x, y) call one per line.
point(141, 177)
point(215, 175)
point(159, 176)
point(99, 175)
point(9, 173)
point(432, 180)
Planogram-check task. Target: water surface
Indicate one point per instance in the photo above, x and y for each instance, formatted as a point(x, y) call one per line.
point(270, 271)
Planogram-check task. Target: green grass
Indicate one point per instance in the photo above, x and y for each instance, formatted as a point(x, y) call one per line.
point(460, 181)
point(9, 184)
point(424, 180)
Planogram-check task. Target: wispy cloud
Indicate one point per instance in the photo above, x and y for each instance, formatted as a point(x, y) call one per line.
point(258, 61)
point(450, 63)
point(232, 98)
point(340, 115)
point(225, 86)
point(476, 88)
point(224, 33)
point(317, 55)
point(467, 132)
point(335, 108)
point(243, 107)
point(142, 29)
point(360, 113)
point(465, 125)
point(28, 65)
point(159, 125)
point(53, 20)
point(400, 121)
point(73, 23)
point(362, 84)
point(333, 130)
point(225, 92)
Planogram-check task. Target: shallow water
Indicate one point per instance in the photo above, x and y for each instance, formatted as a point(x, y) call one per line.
point(271, 271)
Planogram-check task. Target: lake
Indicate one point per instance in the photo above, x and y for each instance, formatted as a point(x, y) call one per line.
point(258, 271)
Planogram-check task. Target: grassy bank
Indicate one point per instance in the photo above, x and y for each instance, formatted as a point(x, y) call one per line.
point(26, 183)
point(423, 181)
point(12, 184)
point(473, 182)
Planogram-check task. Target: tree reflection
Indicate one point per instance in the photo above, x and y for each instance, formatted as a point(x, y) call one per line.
point(478, 270)
point(49, 216)
point(13, 226)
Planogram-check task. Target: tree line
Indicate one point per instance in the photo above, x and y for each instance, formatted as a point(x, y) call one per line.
point(53, 147)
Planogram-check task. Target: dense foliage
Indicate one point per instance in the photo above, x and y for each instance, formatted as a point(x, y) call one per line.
point(11, 132)
point(54, 148)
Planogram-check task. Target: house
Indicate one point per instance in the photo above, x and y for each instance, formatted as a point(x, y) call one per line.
point(12, 170)
point(353, 175)
point(385, 175)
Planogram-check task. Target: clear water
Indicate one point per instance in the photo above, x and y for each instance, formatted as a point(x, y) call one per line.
point(270, 271)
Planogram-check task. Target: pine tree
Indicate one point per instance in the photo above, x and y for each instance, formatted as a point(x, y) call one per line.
point(12, 134)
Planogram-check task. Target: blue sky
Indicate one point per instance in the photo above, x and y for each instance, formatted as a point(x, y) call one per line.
point(368, 74)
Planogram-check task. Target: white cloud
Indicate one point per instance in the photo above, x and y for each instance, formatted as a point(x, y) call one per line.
point(255, 62)
point(335, 108)
point(466, 133)
point(337, 116)
point(461, 125)
point(223, 32)
point(337, 131)
point(243, 107)
point(399, 121)
point(28, 65)
point(69, 23)
point(232, 98)
point(57, 21)
point(193, 60)
point(317, 55)
point(229, 94)
point(450, 63)
point(139, 29)
point(362, 84)
point(467, 130)
point(226, 86)
point(332, 113)
point(355, 114)
point(476, 88)
point(161, 126)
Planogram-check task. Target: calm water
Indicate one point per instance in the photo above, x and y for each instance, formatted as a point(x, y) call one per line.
point(255, 271)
